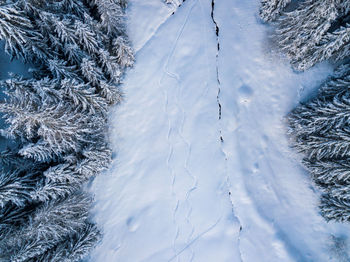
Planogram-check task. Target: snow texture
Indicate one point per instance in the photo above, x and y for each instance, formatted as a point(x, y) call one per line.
point(203, 171)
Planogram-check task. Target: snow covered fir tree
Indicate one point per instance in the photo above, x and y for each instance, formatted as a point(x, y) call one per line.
point(308, 32)
point(311, 31)
point(56, 122)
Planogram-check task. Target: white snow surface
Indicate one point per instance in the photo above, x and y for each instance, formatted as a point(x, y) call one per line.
point(187, 185)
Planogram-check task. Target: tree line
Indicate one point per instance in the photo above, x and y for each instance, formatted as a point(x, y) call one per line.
point(308, 32)
point(56, 122)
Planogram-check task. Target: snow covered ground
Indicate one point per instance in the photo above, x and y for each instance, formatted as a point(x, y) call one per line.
point(203, 171)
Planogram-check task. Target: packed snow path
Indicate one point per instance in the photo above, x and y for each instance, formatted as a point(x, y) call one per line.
point(203, 171)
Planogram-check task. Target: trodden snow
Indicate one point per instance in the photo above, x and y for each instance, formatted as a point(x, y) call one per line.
point(191, 181)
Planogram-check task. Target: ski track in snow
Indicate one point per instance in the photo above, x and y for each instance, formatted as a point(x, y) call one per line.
point(203, 171)
point(177, 78)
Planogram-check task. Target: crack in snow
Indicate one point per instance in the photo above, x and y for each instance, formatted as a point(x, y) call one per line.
point(217, 31)
point(228, 183)
point(237, 219)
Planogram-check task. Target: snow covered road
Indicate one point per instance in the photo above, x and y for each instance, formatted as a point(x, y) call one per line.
point(203, 171)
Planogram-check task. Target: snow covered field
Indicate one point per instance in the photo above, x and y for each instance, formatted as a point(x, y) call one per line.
point(203, 171)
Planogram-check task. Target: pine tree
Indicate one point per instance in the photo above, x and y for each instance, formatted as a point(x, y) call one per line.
point(335, 209)
point(320, 130)
point(311, 33)
point(334, 46)
point(73, 248)
point(123, 52)
point(315, 31)
point(50, 224)
point(16, 30)
point(57, 122)
point(271, 9)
